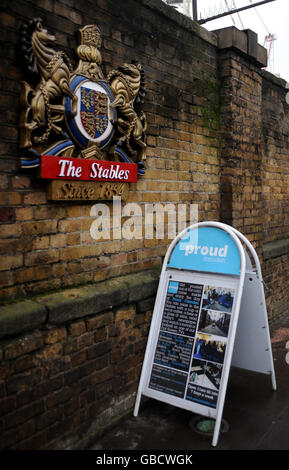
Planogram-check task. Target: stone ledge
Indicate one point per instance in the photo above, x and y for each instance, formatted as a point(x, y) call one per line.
point(275, 249)
point(20, 317)
point(59, 307)
point(279, 81)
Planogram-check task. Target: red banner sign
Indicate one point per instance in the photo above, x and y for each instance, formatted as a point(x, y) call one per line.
point(87, 170)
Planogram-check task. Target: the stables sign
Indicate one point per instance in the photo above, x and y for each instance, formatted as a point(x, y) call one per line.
point(90, 170)
point(112, 175)
point(77, 126)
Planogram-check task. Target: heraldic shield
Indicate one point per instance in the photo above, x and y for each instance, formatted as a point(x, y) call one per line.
point(79, 113)
point(95, 117)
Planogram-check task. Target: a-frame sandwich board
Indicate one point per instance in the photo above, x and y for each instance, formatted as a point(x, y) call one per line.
point(193, 329)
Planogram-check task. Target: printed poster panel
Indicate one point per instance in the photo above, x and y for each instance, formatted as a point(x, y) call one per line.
point(191, 346)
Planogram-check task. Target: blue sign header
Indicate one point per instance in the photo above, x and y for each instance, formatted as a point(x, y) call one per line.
point(206, 249)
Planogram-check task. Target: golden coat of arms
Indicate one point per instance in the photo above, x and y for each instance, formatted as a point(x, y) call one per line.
point(79, 113)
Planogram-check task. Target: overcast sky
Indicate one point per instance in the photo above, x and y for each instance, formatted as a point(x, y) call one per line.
point(272, 17)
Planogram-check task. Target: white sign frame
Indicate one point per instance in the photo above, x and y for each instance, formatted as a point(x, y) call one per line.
point(197, 277)
point(252, 349)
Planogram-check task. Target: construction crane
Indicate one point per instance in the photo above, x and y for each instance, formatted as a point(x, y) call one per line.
point(269, 45)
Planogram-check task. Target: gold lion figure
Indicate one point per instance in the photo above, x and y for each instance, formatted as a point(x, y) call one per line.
point(42, 108)
point(127, 85)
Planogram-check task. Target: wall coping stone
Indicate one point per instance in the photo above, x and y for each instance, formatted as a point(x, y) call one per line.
point(20, 317)
point(245, 41)
point(275, 249)
point(70, 304)
point(279, 81)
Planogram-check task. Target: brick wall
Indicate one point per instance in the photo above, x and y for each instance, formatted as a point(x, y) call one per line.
point(48, 246)
point(254, 159)
point(241, 140)
point(76, 371)
point(275, 132)
point(72, 343)
point(275, 173)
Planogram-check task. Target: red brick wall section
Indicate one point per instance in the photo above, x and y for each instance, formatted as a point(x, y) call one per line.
point(76, 371)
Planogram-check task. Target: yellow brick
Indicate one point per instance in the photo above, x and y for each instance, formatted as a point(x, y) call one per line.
point(77, 252)
point(10, 262)
point(23, 213)
point(151, 197)
point(120, 258)
point(99, 276)
point(55, 335)
point(38, 228)
point(78, 211)
point(35, 198)
point(111, 246)
point(14, 198)
point(10, 230)
point(73, 238)
point(58, 269)
point(74, 225)
point(156, 186)
point(40, 243)
point(36, 258)
point(58, 240)
point(33, 274)
point(129, 245)
point(124, 313)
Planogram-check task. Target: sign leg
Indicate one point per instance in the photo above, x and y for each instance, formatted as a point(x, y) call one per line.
point(137, 404)
point(273, 379)
point(217, 430)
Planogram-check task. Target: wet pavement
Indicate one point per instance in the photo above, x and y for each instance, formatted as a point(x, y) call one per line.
point(256, 416)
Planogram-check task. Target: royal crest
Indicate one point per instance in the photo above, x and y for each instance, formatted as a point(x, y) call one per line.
point(77, 112)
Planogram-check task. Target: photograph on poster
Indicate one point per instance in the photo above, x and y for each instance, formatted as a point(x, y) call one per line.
point(214, 323)
point(218, 298)
point(209, 348)
point(206, 374)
